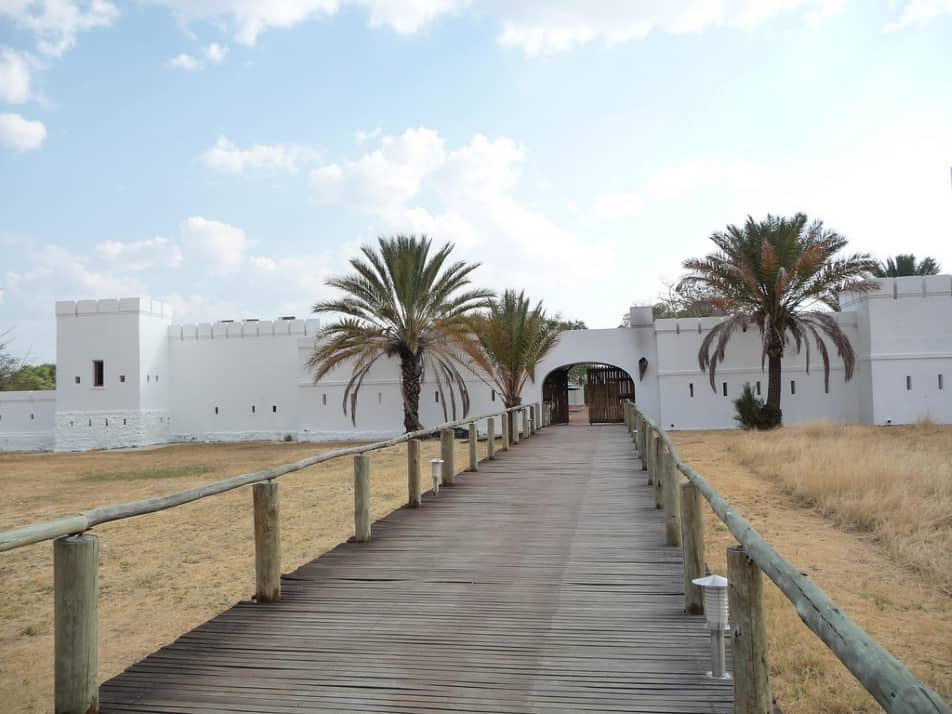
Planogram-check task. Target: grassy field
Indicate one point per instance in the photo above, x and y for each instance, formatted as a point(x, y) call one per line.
point(866, 512)
point(175, 569)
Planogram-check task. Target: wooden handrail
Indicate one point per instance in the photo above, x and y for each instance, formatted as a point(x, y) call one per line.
point(69, 525)
point(881, 674)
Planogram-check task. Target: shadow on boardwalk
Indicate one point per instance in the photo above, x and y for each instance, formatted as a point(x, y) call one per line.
point(539, 584)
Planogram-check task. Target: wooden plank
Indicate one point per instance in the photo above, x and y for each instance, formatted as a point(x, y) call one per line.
point(540, 583)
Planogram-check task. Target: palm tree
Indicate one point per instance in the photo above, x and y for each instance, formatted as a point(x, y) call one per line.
point(775, 274)
point(401, 302)
point(513, 338)
point(906, 264)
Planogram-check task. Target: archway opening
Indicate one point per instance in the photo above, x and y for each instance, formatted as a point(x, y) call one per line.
point(588, 393)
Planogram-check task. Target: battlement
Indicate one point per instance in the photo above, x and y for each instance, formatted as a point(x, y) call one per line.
point(917, 286)
point(141, 305)
point(244, 329)
point(701, 325)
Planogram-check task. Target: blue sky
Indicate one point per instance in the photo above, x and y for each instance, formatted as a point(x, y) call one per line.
point(228, 155)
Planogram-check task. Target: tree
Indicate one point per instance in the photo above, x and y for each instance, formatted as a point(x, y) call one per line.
point(32, 377)
point(9, 365)
point(685, 300)
point(906, 264)
point(571, 324)
point(401, 302)
point(513, 338)
point(775, 274)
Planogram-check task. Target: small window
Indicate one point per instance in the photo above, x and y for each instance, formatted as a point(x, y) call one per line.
point(216, 411)
point(148, 378)
point(908, 382)
point(724, 388)
point(123, 422)
point(274, 408)
point(97, 373)
point(31, 417)
point(758, 388)
point(436, 396)
point(492, 395)
point(90, 422)
point(76, 379)
point(691, 388)
point(793, 386)
point(252, 408)
point(156, 378)
point(940, 382)
point(122, 379)
point(379, 397)
point(324, 399)
point(107, 422)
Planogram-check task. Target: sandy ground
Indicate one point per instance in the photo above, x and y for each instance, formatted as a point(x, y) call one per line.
point(908, 615)
point(165, 573)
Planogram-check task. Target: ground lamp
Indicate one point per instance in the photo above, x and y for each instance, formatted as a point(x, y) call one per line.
point(714, 588)
point(436, 470)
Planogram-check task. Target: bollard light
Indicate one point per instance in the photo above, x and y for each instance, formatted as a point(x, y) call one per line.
point(436, 471)
point(714, 588)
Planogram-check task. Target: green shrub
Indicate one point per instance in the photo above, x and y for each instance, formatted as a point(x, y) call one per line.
point(749, 410)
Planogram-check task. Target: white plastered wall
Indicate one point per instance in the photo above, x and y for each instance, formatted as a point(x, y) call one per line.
point(26, 420)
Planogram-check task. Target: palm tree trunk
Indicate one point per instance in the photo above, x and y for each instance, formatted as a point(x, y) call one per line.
point(511, 416)
point(410, 371)
point(773, 416)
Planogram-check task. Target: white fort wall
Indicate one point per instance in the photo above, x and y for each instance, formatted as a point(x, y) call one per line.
point(26, 420)
point(248, 380)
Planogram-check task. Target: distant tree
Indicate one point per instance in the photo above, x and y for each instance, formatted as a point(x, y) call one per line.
point(513, 337)
point(775, 274)
point(571, 325)
point(905, 264)
point(31, 377)
point(9, 365)
point(401, 301)
point(686, 300)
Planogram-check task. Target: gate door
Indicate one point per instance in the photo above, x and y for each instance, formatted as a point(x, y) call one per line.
point(605, 391)
point(555, 390)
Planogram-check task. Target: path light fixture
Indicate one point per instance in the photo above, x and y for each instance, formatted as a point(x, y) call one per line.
point(436, 470)
point(714, 588)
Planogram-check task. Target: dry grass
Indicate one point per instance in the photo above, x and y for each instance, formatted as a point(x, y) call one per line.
point(902, 608)
point(165, 573)
point(895, 483)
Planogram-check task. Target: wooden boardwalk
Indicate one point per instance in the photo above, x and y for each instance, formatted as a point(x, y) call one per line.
point(539, 584)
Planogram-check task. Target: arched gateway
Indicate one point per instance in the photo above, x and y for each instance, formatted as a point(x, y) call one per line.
point(599, 389)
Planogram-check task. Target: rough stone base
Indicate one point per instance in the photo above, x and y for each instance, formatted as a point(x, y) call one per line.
point(82, 431)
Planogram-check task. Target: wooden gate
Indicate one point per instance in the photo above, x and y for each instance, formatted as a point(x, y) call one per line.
point(606, 389)
point(555, 391)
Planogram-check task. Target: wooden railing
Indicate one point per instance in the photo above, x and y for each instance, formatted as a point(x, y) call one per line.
point(76, 552)
point(880, 673)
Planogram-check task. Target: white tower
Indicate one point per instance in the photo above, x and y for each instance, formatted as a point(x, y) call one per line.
point(112, 373)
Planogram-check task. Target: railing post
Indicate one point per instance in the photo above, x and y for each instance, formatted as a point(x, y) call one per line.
point(413, 473)
point(749, 634)
point(473, 446)
point(661, 464)
point(490, 438)
point(267, 541)
point(446, 453)
point(362, 498)
point(642, 443)
point(516, 428)
point(525, 424)
point(76, 624)
point(692, 546)
point(651, 453)
point(504, 422)
point(670, 501)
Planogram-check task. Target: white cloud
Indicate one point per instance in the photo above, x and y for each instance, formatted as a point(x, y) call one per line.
point(215, 52)
point(21, 134)
point(612, 206)
point(184, 61)
point(361, 136)
point(140, 255)
point(735, 174)
point(14, 76)
point(221, 246)
point(920, 12)
point(56, 23)
point(383, 179)
point(227, 157)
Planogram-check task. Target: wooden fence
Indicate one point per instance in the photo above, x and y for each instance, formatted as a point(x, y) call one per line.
point(76, 552)
point(882, 675)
